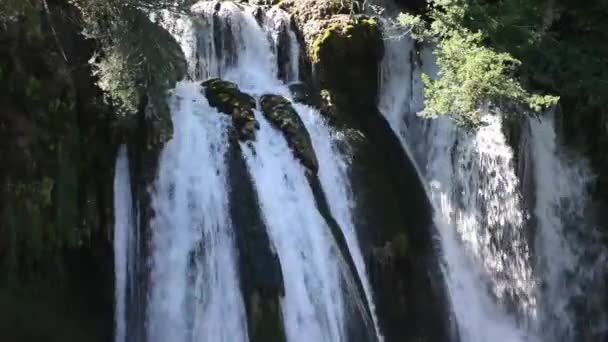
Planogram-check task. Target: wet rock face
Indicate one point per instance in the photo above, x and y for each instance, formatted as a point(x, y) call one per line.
point(281, 114)
point(394, 219)
point(228, 99)
point(300, 93)
point(260, 272)
point(55, 184)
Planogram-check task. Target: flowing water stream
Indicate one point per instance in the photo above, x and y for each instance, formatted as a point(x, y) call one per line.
point(513, 273)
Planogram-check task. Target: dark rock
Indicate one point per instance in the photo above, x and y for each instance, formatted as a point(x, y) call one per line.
point(259, 266)
point(300, 93)
point(281, 114)
point(228, 99)
point(353, 84)
point(360, 328)
point(55, 183)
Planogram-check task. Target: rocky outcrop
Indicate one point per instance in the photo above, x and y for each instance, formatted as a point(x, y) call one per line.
point(55, 183)
point(228, 99)
point(334, 33)
point(394, 216)
point(300, 93)
point(259, 266)
point(358, 41)
point(279, 111)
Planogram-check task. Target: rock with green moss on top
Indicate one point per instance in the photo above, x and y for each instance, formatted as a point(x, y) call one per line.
point(359, 41)
point(226, 97)
point(281, 114)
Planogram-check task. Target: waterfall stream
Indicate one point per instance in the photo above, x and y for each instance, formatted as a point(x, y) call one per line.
point(125, 238)
point(571, 258)
point(503, 285)
point(194, 290)
point(517, 267)
point(313, 306)
point(194, 293)
point(478, 211)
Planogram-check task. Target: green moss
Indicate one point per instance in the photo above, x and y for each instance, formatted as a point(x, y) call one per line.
point(359, 28)
point(46, 190)
point(228, 99)
point(281, 114)
point(33, 87)
point(400, 246)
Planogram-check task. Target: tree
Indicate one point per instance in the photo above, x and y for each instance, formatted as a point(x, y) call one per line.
point(472, 75)
point(138, 59)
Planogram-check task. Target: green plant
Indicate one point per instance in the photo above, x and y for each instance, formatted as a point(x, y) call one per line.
point(471, 74)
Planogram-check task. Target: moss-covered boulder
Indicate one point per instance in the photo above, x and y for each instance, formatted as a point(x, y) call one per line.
point(226, 97)
point(279, 111)
point(357, 41)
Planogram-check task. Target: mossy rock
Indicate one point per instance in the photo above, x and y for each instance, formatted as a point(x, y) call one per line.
point(279, 111)
point(353, 84)
point(226, 97)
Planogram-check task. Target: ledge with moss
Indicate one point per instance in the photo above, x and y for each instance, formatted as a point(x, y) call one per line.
point(226, 97)
point(281, 114)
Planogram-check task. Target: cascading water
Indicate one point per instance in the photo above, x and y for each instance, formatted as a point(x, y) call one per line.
point(333, 174)
point(125, 245)
point(478, 211)
point(194, 290)
point(313, 307)
point(571, 258)
point(499, 288)
point(192, 235)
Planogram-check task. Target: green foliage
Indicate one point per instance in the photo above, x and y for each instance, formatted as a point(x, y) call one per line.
point(471, 74)
point(33, 87)
point(46, 190)
point(138, 58)
point(561, 43)
point(26, 12)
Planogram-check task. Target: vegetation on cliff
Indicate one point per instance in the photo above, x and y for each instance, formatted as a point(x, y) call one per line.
point(137, 60)
point(471, 74)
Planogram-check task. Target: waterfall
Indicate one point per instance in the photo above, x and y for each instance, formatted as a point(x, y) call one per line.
point(571, 258)
point(478, 211)
point(313, 305)
point(194, 294)
point(333, 174)
point(516, 269)
point(125, 245)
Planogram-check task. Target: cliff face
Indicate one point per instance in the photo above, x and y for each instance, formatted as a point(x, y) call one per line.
point(55, 182)
point(60, 134)
point(58, 147)
point(394, 225)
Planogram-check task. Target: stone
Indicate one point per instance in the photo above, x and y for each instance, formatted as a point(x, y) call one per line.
point(226, 97)
point(281, 114)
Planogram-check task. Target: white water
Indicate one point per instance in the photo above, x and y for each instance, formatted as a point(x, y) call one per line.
point(313, 308)
point(333, 174)
point(316, 284)
point(571, 259)
point(478, 211)
point(124, 243)
point(194, 291)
